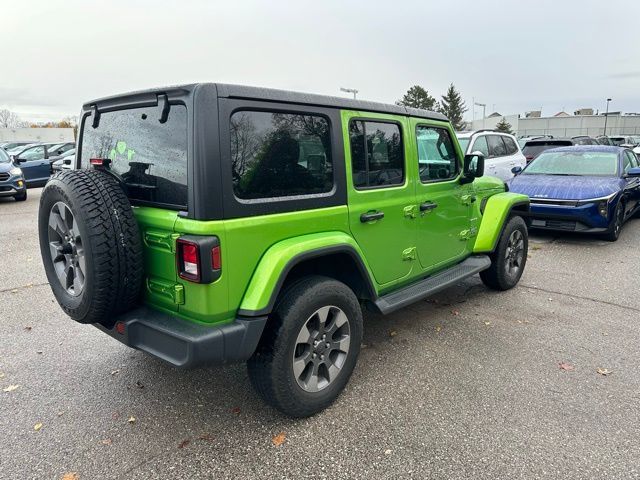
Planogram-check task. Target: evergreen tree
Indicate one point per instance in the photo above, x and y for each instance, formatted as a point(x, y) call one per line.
point(418, 97)
point(504, 126)
point(453, 107)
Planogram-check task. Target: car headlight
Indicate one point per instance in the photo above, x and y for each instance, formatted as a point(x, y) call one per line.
point(603, 208)
point(15, 171)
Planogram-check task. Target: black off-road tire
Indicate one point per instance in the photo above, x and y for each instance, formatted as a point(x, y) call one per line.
point(271, 367)
point(500, 276)
point(111, 244)
point(21, 197)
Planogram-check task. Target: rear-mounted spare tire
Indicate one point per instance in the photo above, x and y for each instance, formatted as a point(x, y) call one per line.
point(90, 245)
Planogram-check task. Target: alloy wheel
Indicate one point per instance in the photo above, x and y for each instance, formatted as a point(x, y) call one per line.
point(66, 249)
point(515, 252)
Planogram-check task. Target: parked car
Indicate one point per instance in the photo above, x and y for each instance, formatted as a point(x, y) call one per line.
point(501, 151)
point(584, 140)
point(604, 140)
point(591, 189)
point(533, 148)
point(625, 140)
point(12, 182)
point(6, 146)
point(302, 208)
point(524, 139)
point(64, 162)
point(34, 160)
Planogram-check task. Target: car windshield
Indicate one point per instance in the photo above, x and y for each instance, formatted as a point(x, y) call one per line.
point(4, 157)
point(464, 143)
point(617, 141)
point(574, 163)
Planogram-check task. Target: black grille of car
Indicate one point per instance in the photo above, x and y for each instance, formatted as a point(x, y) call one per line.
point(561, 224)
point(4, 176)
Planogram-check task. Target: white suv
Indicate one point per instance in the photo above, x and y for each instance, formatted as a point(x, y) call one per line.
point(501, 151)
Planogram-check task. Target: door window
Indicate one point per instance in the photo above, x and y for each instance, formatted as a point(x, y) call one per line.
point(496, 146)
point(510, 145)
point(437, 157)
point(35, 153)
point(629, 161)
point(480, 145)
point(377, 157)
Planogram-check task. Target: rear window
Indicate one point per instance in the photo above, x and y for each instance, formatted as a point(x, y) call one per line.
point(533, 149)
point(150, 157)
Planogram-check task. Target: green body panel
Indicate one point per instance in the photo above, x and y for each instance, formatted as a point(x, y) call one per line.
point(496, 211)
point(273, 263)
point(402, 247)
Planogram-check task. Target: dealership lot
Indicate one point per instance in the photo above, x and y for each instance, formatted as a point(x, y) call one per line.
point(464, 385)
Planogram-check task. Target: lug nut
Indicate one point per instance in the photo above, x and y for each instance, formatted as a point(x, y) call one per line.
point(327, 345)
point(321, 357)
point(313, 355)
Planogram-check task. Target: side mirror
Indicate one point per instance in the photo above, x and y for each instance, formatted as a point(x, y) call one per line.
point(16, 160)
point(516, 170)
point(473, 167)
point(633, 172)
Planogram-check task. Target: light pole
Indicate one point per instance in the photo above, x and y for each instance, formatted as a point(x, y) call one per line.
point(349, 90)
point(484, 111)
point(606, 115)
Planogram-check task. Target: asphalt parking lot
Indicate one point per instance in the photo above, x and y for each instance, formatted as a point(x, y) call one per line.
point(465, 385)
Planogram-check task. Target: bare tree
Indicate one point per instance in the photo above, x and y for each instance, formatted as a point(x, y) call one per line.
point(9, 119)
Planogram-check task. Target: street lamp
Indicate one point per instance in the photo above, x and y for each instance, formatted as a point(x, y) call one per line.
point(484, 111)
point(606, 115)
point(349, 90)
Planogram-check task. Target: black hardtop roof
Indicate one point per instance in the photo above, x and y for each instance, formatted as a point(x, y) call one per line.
point(265, 94)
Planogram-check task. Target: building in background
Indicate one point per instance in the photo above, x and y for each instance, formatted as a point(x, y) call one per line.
point(36, 135)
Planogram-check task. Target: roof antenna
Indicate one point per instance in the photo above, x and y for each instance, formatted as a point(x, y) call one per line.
point(163, 103)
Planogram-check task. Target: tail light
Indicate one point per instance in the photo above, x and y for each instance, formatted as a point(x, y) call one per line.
point(191, 250)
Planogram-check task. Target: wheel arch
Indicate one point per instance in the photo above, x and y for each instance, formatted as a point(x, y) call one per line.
point(497, 211)
point(280, 268)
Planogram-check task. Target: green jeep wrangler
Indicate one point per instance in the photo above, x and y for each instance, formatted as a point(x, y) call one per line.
point(210, 223)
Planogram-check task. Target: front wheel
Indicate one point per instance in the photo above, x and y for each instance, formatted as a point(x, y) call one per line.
point(616, 224)
point(309, 348)
point(509, 258)
point(21, 197)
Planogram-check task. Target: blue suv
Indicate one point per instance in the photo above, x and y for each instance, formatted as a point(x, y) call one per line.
point(12, 183)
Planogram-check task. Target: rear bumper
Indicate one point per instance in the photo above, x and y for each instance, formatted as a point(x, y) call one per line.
point(185, 344)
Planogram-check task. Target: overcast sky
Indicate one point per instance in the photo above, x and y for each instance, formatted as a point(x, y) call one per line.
point(513, 56)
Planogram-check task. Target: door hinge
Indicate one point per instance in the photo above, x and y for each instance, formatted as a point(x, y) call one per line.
point(170, 291)
point(409, 253)
point(162, 240)
point(467, 199)
point(411, 211)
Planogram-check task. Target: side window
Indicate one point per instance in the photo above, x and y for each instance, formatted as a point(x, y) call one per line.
point(437, 157)
point(496, 146)
point(510, 145)
point(480, 145)
point(35, 153)
point(377, 158)
point(629, 161)
point(280, 154)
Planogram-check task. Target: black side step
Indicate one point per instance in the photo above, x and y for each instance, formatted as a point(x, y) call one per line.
point(433, 284)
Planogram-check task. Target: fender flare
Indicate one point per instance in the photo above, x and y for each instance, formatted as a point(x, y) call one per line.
point(496, 212)
point(278, 261)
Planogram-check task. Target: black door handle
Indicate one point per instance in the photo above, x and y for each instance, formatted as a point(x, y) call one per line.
point(428, 206)
point(371, 216)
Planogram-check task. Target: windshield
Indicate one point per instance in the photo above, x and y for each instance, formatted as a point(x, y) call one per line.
point(464, 143)
point(617, 141)
point(4, 157)
point(574, 163)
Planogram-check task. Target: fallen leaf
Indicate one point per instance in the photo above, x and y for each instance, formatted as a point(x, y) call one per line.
point(566, 366)
point(60, 414)
point(39, 352)
point(236, 410)
point(11, 388)
point(604, 371)
point(28, 328)
point(438, 328)
point(1, 375)
point(115, 372)
point(14, 291)
point(487, 323)
point(279, 439)
point(139, 384)
point(206, 437)
point(184, 443)
point(393, 333)
point(387, 451)
point(37, 427)
point(535, 247)
point(107, 441)
point(455, 312)
point(131, 419)
point(71, 476)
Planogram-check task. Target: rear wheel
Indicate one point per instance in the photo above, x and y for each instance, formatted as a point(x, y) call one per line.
point(21, 197)
point(310, 347)
point(510, 257)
